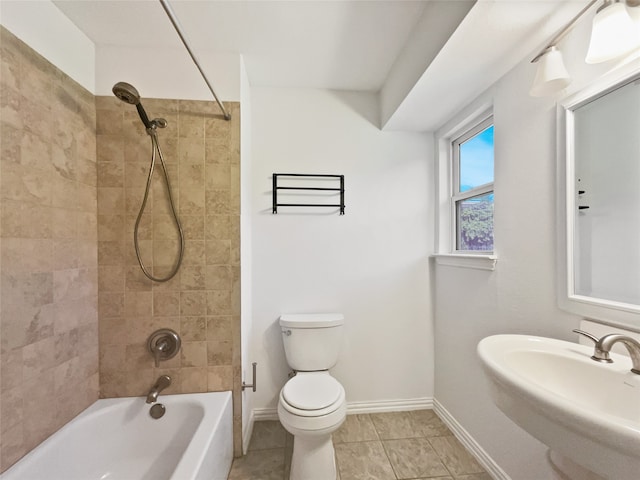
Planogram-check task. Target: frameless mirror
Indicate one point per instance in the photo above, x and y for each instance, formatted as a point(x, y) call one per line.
point(600, 201)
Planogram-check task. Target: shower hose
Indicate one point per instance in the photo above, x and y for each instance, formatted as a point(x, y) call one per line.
point(155, 147)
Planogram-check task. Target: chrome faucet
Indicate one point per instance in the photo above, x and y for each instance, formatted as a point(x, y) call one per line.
point(604, 345)
point(163, 382)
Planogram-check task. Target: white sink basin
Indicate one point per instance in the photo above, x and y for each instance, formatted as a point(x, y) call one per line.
point(582, 409)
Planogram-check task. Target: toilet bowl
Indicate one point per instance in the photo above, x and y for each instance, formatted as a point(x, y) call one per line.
point(312, 404)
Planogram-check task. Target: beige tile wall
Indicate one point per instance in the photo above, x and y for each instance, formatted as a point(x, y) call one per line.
point(72, 174)
point(48, 251)
point(202, 302)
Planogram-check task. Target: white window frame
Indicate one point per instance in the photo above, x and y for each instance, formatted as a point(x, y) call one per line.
point(457, 195)
point(448, 191)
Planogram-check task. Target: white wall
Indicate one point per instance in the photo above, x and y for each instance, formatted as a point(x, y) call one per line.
point(520, 295)
point(371, 264)
point(49, 32)
point(168, 73)
point(156, 72)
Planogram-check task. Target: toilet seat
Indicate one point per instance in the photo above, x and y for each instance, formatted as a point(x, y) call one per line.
point(312, 394)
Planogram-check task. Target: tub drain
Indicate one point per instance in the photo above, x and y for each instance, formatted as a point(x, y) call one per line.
point(157, 411)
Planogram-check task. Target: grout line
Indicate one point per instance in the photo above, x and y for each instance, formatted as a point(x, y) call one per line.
point(439, 457)
point(384, 449)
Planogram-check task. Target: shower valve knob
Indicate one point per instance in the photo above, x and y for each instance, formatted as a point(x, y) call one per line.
point(163, 344)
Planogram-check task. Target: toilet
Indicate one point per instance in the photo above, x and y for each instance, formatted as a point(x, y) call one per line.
point(312, 404)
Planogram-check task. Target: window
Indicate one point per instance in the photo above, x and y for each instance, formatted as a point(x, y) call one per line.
point(472, 192)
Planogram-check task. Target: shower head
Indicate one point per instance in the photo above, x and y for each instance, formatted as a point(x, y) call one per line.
point(128, 94)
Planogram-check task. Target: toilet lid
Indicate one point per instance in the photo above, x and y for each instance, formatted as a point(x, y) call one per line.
point(311, 392)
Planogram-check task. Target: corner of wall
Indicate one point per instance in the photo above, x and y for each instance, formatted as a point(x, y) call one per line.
point(43, 27)
point(245, 248)
point(427, 39)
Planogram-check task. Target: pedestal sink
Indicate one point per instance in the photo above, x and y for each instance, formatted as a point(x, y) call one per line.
point(586, 411)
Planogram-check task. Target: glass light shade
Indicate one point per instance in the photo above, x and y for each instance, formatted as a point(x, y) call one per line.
point(613, 34)
point(551, 76)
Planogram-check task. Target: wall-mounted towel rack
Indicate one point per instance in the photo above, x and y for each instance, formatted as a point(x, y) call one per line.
point(302, 176)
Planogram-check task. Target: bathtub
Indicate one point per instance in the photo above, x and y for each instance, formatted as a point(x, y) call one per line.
point(116, 439)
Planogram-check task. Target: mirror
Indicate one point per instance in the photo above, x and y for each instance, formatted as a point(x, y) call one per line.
point(600, 136)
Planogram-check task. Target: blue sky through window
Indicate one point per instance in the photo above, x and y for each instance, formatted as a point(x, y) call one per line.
point(476, 160)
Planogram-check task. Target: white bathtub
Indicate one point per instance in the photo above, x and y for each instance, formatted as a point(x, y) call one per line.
point(116, 439)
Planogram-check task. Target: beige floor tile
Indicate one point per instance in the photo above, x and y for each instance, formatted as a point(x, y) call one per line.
point(356, 428)
point(414, 457)
point(363, 461)
point(289, 440)
point(267, 434)
point(259, 465)
point(435, 478)
point(454, 456)
point(394, 425)
point(288, 453)
point(475, 476)
point(417, 446)
point(429, 424)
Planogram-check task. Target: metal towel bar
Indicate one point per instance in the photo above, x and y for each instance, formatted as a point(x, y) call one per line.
point(277, 188)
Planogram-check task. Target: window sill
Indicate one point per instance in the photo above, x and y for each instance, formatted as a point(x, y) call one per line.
point(479, 262)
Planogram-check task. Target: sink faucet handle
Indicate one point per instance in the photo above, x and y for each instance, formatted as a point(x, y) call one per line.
point(599, 354)
point(587, 334)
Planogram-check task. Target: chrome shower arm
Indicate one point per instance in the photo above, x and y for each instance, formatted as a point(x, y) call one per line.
point(176, 25)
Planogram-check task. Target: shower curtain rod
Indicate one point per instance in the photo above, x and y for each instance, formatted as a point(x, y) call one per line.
point(176, 25)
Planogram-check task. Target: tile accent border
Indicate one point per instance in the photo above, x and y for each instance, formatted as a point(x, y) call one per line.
point(470, 443)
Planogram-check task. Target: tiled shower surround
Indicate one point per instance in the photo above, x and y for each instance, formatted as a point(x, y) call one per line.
point(49, 273)
point(76, 309)
point(202, 302)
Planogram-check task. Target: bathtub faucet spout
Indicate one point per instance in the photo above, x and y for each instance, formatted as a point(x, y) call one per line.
point(163, 382)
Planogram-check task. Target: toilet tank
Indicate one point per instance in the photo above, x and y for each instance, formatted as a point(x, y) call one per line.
point(312, 341)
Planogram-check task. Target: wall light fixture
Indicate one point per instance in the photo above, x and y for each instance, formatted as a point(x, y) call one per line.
point(614, 33)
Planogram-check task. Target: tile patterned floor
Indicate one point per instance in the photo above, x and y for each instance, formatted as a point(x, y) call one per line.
point(379, 446)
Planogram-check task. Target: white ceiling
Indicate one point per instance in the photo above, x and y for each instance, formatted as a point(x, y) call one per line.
point(347, 44)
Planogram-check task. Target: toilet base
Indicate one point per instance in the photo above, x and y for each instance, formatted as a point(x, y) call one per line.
point(313, 458)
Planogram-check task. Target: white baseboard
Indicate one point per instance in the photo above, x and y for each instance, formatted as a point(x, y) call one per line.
point(389, 405)
point(381, 406)
point(247, 431)
point(260, 414)
point(469, 443)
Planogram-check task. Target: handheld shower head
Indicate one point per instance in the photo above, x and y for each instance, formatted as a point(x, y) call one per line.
point(128, 94)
